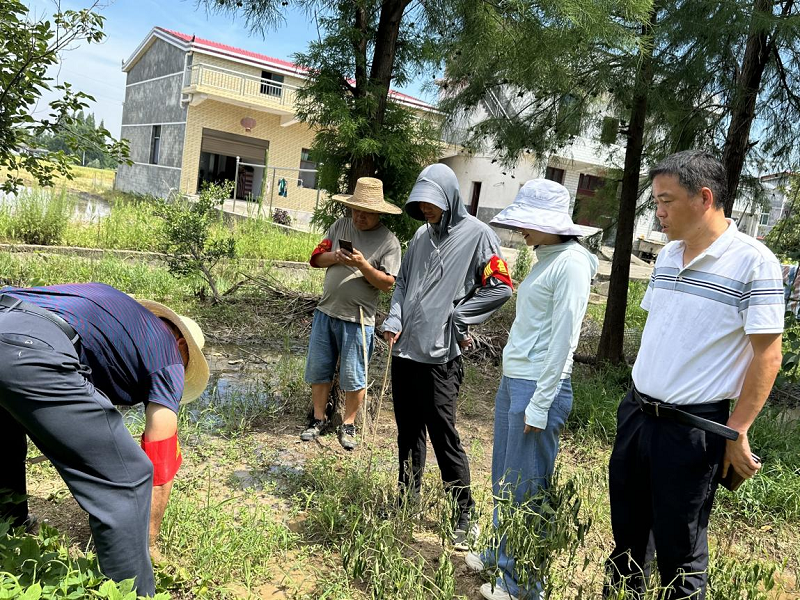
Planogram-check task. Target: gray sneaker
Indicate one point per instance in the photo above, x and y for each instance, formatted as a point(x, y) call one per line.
point(464, 537)
point(314, 430)
point(347, 436)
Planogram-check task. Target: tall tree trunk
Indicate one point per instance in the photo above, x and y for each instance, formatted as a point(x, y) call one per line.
point(385, 52)
point(748, 83)
point(613, 335)
point(380, 76)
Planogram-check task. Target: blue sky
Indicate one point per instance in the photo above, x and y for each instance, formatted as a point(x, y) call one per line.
point(96, 68)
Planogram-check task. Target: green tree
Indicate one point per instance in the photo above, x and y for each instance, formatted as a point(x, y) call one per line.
point(188, 243)
point(763, 94)
point(29, 47)
point(365, 47)
point(673, 88)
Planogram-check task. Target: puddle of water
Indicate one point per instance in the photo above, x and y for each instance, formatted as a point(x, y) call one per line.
point(87, 207)
point(246, 383)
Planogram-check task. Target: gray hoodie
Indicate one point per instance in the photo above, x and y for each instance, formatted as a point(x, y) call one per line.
point(439, 291)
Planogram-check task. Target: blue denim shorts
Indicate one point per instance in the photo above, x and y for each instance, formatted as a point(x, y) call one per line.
point(333, 339)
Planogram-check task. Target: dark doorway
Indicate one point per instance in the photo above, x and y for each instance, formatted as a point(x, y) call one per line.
point(476, 194)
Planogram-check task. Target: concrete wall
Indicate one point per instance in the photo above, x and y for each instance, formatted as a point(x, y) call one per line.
point(148, 179)
point(160, 59)
point(150, 103)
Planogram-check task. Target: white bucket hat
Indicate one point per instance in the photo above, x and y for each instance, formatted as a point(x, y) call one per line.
point(197, 372)
point(541, 205)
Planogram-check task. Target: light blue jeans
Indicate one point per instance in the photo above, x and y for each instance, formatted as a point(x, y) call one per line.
point(522, 464)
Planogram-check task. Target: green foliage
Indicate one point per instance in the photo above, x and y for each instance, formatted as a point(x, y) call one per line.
point(36, 216)
point(131, 277)
point(784, 238)
point(188, 242)
point(218, 542)
point(77, 137)
point(365, 47)
point(522, 266)
point(635, 315)
point(730, 578)
point(351, 509)
point(544, 532)
point(132, 224)
point(41, 568)
point(29, 49)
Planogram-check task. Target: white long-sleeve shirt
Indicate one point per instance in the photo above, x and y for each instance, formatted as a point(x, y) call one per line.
point(551, 303)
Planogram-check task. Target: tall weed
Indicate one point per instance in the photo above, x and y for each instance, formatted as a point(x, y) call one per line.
point(36, 216)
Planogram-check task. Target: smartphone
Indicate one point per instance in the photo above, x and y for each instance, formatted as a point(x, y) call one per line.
point(346, 245)
point(733, 480)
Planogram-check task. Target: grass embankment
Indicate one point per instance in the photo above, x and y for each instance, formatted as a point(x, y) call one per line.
point(255, 513)
point(49, 217)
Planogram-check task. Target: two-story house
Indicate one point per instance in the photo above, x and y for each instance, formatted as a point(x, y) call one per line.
point(196, 111)
point(487, 187)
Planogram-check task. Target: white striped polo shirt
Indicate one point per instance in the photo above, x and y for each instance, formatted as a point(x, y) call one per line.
point(695, 347)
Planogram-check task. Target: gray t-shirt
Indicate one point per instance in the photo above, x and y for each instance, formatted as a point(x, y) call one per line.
point(345, 288)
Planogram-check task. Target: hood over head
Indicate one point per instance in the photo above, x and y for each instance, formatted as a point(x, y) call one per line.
point(437, 184)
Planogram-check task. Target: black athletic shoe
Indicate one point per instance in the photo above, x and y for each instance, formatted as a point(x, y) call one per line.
point(314, 430)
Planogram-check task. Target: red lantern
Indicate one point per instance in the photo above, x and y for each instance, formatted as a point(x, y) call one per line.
point(248, 123)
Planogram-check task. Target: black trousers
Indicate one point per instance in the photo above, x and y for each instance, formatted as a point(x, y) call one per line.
point(425, 399)
point(662, 481)
point(45, 395)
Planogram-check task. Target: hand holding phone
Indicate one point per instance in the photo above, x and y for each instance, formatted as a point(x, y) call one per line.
point(346, 245)
point(733, 480)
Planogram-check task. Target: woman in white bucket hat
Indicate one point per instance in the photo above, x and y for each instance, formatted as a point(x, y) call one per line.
point(535, 393)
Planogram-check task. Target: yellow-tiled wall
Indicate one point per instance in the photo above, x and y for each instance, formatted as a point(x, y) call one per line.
point(215, 61)
point(285, 146)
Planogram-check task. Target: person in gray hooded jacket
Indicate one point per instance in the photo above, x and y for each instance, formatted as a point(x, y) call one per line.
point(452, 276)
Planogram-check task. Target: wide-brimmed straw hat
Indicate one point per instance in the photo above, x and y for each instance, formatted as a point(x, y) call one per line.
point(541, 205)
point(197, 372)
point(368, 196)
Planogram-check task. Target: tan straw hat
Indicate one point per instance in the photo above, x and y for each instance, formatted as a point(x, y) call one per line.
point(368, 196)
point(197, 372)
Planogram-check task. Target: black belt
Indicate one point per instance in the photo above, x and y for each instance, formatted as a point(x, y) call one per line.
point(12, 303)
point(662, 410)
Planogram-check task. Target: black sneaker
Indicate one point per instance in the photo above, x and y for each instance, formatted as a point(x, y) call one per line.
point(314, 430)
point(347, 436)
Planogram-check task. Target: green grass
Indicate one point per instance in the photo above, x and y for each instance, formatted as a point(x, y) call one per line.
point(131, 277)
point(45, 217)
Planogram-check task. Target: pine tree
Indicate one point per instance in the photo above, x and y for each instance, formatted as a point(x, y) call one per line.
point(366, 46)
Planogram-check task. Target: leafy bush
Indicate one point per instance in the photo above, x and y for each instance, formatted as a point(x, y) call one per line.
point(281, 217)
point(40, 567)
point(188, 242)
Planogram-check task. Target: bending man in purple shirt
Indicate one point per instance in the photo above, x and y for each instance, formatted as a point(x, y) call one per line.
point(69, 354)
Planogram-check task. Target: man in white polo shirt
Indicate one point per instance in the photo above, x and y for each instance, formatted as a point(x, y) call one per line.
point(713, 333)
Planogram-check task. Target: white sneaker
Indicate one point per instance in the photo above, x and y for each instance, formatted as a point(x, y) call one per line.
point(497, 594)
point(474, 562)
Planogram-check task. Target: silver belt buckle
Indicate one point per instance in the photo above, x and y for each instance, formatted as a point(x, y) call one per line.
point(656, 405)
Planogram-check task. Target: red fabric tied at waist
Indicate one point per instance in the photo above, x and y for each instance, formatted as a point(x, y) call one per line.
point(497, 268)
point(324, 246)
point(166, 458)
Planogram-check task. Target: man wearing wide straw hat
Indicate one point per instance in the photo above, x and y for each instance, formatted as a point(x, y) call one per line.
point(362, 257)
point(69, 353)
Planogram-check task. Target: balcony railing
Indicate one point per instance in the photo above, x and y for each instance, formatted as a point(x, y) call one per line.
point(240, 86)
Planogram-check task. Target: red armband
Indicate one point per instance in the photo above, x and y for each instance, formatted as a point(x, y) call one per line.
point(324, 246)
point(497, 268)
point(166, 458)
